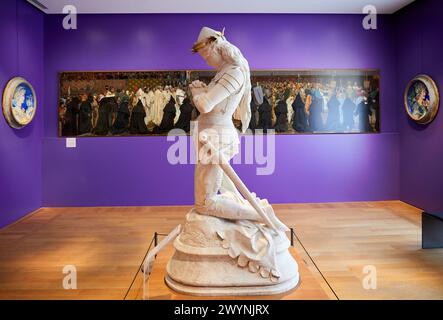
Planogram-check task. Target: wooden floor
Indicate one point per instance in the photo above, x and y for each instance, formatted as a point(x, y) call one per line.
point(107, 245)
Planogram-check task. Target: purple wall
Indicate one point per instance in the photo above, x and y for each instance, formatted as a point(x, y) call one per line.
point(20, 150)
point(401, 162)
point(134, 170)
point(419, 50)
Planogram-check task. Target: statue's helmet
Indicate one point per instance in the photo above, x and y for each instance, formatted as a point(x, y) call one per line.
point(206, 36)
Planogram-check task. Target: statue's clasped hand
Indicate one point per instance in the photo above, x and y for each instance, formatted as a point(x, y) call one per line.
point(197, 87)
point(197, 84)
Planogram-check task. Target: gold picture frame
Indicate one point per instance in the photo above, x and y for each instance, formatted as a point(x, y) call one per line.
point(19, 103)
point(94, 84)
point(421, 99)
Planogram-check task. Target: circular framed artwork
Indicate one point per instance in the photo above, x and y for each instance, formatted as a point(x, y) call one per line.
point(421, 99)
point(19, 103)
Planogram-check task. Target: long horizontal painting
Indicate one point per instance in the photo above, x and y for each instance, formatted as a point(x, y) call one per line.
point(122, 103)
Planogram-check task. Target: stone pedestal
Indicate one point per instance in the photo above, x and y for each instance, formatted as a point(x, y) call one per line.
point(207, 262)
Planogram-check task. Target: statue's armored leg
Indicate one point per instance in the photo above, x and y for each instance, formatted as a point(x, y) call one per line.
point(210, 202)
point(229, 204)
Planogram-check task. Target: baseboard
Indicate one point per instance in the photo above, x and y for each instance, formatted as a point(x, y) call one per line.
point(26, 216)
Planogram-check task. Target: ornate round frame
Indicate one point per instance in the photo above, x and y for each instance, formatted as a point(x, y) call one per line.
point(434, 99)
point(8, 95)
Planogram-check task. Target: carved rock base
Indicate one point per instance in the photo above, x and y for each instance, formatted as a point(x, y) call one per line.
point(201, 265)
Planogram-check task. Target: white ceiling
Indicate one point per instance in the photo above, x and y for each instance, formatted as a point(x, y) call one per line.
point(222, 6)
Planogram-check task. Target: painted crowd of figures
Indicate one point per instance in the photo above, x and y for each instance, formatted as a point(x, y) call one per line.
point(122, 112)
point(285, 106)
point(304, 107)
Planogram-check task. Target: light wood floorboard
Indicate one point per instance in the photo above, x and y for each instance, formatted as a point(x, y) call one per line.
point(107, 245)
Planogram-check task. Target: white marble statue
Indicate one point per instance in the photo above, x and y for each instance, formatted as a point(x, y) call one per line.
point(232, 242)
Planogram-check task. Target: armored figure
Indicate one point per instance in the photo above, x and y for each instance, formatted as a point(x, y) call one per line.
point(232, 242)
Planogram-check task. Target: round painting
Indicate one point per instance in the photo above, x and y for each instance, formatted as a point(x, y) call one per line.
point(19, 103)
point(421, 99)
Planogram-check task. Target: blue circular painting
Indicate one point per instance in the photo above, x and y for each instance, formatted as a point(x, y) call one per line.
point(19, 103)
point(421, 99)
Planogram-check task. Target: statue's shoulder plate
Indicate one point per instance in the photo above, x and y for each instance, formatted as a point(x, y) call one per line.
point(231, 78)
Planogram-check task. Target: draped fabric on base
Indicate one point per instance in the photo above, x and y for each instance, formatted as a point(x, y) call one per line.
point(251, 244)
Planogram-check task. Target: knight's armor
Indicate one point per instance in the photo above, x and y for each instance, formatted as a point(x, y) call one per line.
point(225, 248)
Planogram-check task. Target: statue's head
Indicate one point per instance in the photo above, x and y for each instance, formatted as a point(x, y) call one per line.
point(215, 49)
point(208, 46)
